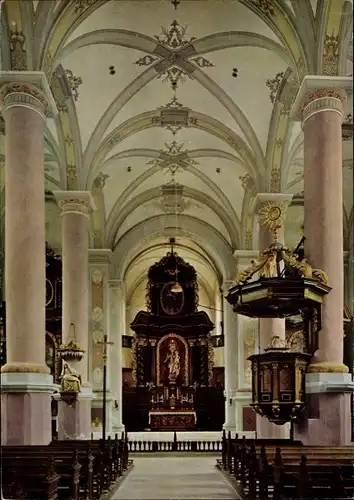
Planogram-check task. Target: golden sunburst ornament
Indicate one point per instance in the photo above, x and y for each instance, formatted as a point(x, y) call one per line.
point(272, 214)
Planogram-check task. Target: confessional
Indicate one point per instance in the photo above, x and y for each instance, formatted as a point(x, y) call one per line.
point(172, 352)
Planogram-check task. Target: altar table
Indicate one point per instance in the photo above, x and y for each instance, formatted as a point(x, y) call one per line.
point(172, 420)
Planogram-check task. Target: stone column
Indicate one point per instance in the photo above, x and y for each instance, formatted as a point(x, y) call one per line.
point(75, 422)
point(99, 262)
point(26, 383)
point(270, 327)
point(116, 330)
point(231, 346)
point(319, 105)
point(248, 340)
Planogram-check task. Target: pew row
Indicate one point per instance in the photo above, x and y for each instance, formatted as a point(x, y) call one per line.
point(290, 471)
point(64, 470)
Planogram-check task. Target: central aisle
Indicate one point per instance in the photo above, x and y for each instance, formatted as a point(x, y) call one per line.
point(172, 478)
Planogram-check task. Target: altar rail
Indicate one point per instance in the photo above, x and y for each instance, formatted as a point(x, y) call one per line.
point(174, 446)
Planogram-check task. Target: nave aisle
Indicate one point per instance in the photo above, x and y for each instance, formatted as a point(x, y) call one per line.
point(172, 478)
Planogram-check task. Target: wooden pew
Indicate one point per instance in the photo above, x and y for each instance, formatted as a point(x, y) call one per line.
point(84, 469)
point(24, 479)
point(24, 459)
point(293, 471)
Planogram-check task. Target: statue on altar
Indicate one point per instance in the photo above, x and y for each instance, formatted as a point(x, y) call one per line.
point(70, 379)
point(173, 361)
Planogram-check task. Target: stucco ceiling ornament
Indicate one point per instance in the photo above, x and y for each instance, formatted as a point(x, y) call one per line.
point(266, 6)
point(174, 76)
point(74, 82)
point(81, 5)
point(173, 159)
point(100, 180)
point(274, 85)
point(18, 53)
point(146, 60)
point(174, 37)
point(173, 116)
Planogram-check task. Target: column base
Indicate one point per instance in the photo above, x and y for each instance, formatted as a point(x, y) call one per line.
point(329, 421)
point(333, 425)
point(74, 422)
point(26, 408)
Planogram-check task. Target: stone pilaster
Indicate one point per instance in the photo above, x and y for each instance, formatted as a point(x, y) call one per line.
point(248, 337)
point(75, 422)
point(320, 106)
point(116, 330)
point(231, 346)
point(99, 262)
point(26, 383)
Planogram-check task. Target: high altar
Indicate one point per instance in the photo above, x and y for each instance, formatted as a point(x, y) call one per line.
point(172, 351)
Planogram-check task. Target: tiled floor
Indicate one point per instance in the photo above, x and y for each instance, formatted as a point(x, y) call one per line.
point(175, 478)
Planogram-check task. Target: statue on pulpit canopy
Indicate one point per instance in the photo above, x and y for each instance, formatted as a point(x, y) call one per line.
point(173, 360)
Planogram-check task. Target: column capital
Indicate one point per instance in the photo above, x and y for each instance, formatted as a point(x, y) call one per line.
point(28, 89)
point(116, 283)
point(100, 256)
point(77, 202)
point(320, 93)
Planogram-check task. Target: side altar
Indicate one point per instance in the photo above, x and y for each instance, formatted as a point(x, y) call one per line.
point(172, 350)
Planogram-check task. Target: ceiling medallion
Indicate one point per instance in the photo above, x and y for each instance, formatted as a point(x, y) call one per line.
point(174, 76)
point(173, 159)
point(174, 37)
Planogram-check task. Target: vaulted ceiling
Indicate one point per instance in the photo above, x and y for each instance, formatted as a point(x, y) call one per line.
point(175, 116)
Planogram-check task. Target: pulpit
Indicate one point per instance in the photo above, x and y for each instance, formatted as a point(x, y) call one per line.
point(172, 350)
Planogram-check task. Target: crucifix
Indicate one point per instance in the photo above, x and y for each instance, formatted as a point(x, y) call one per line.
point(105, 343)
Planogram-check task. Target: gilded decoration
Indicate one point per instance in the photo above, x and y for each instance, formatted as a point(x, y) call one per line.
point(327, 367)
point(184, 367)
point(271, 214)
point(266, 266)
point(323, 93)
point(71, 350)
point(70, 379)
point(18, 53)
point(330, 55)
point(23, 93)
